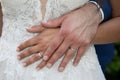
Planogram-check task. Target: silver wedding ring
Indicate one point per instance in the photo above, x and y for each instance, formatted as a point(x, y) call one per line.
point(73, 49)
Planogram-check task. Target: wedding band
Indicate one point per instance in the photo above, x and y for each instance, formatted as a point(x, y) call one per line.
point(73, 49)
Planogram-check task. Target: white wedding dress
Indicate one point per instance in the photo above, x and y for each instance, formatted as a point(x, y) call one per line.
point(20, 14)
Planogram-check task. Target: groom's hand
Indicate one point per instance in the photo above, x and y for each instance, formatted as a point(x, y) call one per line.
point(78, 29)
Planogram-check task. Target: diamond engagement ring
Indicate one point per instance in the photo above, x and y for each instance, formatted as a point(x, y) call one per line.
point(40, 54)
point(73, 49)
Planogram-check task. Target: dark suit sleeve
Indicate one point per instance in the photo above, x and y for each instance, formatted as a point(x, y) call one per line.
point(105, 52)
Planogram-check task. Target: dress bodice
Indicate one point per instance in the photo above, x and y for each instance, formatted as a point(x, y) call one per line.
point(20, 14)
point(32, 8)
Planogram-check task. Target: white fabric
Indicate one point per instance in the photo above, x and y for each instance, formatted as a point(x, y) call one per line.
point(20, 14)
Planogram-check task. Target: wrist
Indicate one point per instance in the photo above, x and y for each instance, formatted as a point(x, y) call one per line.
point(94, 11)
point(99, 9)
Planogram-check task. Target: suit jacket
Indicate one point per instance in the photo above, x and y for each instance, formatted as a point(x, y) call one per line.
point(105, 52)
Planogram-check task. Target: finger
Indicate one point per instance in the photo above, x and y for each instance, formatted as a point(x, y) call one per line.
point(35, 29)
point(53, 23)
point(28, 43)
point(41, 65)
point(59, 53)
point(52, 47)
point(80, 53)
point(57, 41)
point(66, 60)
point(30, 51)
point(32, 60)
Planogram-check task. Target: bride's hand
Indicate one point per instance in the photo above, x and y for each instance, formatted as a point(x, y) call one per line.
point(36, 45)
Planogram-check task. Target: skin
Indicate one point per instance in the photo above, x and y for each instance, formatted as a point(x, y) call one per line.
point(38, 45)
point(106, 33)
point(75, 33)
point(109, 31)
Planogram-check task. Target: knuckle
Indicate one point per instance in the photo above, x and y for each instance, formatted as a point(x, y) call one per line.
point(64, 32)
point(72, 37)
point(22, 55)
point(76, 39)
point(41, 46)
point(24, 45)
point(77, 42)
point(30, 50)
point(32, 60)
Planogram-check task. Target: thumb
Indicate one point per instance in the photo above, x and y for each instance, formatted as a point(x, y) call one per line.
point(53, 23)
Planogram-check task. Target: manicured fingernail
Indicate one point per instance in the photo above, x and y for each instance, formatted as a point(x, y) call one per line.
point(44, 21)
point(24, 64)
point(19, 57)
point(38, 68)
point(18, 50)
point(45, 58)
point(75, 64)
point(49, 65)
point(28, 28)
point(61, 69)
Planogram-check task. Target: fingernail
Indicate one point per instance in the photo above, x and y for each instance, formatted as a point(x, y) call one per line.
point(75, 64)
point(49, 65)
point(44, 21)
point(38, 68)
point(18, 57)
point(18, 50)
point(61, 69)
point(28, 28)
point(45, 58)
point(24, 64)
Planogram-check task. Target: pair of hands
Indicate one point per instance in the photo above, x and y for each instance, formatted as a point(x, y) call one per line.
point(78, 28)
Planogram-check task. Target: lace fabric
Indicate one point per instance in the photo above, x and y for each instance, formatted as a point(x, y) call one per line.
point(20, 14)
